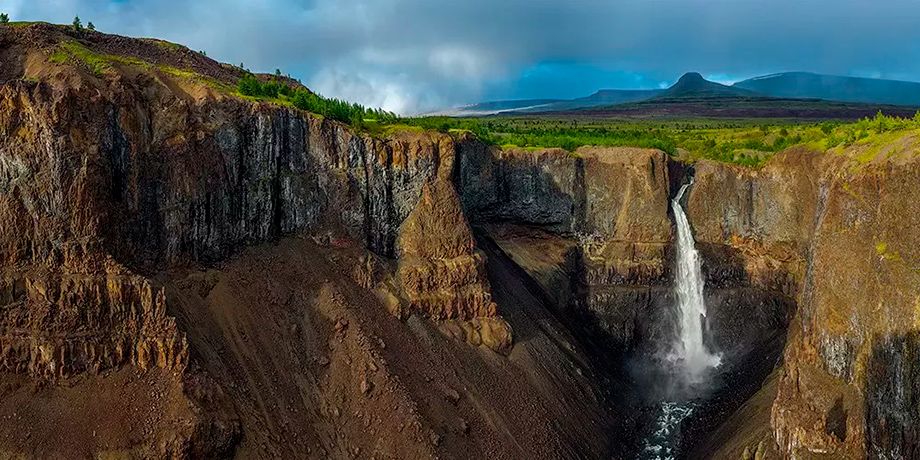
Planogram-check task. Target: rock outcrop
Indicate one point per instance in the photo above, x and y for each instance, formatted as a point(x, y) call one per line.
point(611, 203)
point(61, 325)
point(835, 232)
point(850, 361)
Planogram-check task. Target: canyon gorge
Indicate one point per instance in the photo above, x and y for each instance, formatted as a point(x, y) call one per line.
point(209, 275)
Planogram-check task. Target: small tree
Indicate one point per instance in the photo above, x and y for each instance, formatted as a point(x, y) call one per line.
point(4, 18)
point(77, 25)
point(277, 72)
point(90, 26)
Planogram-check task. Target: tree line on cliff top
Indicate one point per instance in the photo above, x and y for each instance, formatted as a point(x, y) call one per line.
point(336, 109)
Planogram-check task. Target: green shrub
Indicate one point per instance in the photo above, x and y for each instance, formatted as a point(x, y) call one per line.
point(4, 18)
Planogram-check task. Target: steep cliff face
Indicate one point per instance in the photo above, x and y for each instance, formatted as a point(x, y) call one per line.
point(609, 206)
point(836, 232)
point(193, 180)
point(851, 378)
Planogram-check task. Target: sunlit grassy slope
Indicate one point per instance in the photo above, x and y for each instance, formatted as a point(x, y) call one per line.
point(746, 142)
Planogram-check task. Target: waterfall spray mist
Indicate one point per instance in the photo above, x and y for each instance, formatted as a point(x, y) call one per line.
point(689, 353)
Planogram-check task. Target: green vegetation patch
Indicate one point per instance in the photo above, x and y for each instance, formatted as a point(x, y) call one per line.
point(20, 23)
point(336, 109)
point(745, 142)
point(165, 45)
point(72, 51)
point(873, 136)
point(211, 82)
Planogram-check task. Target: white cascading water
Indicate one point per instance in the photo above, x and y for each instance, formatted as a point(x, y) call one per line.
point(689, 352)
point(689, 358)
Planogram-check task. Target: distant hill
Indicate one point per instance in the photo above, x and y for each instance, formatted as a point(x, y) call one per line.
point(742, 107)
point(502, 106)
point(791, 94)
point(600, 98)
point(693, 86)
point(803, 85)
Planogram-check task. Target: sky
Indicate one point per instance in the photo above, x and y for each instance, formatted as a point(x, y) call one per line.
point(416, 56)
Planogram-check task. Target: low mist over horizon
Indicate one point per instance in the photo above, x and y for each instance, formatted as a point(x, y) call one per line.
point(414, 56)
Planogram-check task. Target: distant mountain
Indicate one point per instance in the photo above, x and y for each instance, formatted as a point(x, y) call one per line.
point(600, 98)
point(834, 88)
point(805, 94)
point(693, 86)
point(495, 107)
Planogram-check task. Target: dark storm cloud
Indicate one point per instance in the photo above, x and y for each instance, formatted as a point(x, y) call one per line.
point(415, 55)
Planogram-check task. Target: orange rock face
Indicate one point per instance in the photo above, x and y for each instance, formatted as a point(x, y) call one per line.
point(59, 326)
point(441, 272)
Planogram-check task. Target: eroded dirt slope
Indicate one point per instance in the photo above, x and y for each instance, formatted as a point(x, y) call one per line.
point(315, 363)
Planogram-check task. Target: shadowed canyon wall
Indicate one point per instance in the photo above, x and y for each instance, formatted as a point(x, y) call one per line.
point(608, 211)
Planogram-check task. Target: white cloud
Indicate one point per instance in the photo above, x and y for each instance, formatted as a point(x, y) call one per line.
point(458, 62)
point(373, 90)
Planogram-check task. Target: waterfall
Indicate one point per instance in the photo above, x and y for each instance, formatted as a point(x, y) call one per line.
point(689, 359)
point(689, 352)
